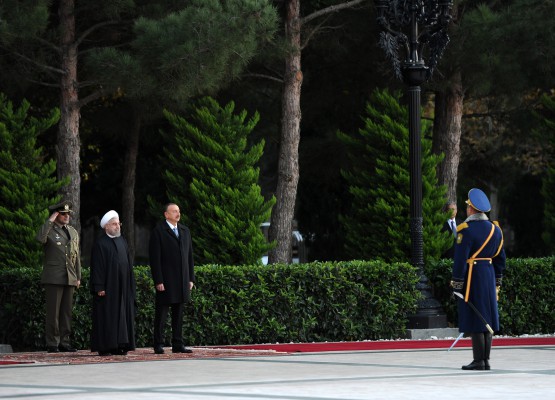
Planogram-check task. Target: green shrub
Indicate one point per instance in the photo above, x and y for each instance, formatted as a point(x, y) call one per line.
point(377, 175)
point(212, 172)
point(355, 300)
point(301, 302)
point(332, 301)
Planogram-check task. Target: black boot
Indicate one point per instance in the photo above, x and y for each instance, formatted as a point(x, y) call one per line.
point(487, 349)
point(478, 351)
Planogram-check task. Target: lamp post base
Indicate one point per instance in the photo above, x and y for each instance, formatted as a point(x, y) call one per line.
point(431, 334)
point(6, 348)
point(427, 321)
point(429, 313)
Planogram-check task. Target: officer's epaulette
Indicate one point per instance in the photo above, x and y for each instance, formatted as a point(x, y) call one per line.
point(462, 226)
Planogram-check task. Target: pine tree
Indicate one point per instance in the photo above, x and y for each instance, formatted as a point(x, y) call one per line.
point(378, 224)
point(27, 184)
point(212, 174)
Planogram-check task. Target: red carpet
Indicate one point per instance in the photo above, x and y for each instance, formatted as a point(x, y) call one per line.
point(146, 354)
point(6, 362)
point(142, 354)
point(390, 345)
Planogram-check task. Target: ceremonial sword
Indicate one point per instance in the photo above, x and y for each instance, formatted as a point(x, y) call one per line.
point(455, 342)
point(476, 311)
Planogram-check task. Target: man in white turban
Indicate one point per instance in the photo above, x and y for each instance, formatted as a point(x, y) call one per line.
point(113, 290)
point(107, 217)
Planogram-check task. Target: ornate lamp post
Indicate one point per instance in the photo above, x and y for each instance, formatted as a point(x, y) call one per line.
point(411, 27)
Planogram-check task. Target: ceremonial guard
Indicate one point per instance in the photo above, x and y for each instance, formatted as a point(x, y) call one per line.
point(477, 273)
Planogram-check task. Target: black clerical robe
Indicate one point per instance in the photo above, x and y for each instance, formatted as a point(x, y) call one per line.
point(113, 315)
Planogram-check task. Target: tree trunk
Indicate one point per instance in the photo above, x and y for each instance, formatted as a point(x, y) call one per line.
point(128, 183)
point(68, 145)
point(288, 164)
point(447, 133)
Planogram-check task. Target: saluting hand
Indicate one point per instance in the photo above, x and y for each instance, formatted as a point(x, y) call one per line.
point(53, 216)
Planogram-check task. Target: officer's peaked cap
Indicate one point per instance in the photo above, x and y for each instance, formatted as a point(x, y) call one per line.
point(478, 200)
point(63, 207)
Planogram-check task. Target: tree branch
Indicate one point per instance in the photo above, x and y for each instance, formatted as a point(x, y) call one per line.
point(331, 9)
point(91, 97)
point(38, 65)
point(92, 29)
point(48, 43)
point(54, 85)
point(263, 76)
point(316, 30)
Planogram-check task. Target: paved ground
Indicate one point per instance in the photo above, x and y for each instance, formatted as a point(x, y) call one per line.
point(526, 372)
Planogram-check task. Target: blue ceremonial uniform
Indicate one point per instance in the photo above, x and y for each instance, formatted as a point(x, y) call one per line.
point(477, 270)
point(478, 266)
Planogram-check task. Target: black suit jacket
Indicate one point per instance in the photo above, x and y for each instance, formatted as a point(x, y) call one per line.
point(171, 262)
point(450, 252)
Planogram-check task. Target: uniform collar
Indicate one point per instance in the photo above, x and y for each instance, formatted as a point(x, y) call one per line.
point(477, 217)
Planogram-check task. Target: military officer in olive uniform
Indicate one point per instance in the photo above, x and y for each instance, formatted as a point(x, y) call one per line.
point(60, 276)
point(477, 274)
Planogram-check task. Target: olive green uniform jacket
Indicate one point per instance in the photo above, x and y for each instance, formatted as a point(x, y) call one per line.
point(62, 264)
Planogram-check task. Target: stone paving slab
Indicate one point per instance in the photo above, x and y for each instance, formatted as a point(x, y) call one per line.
point(526, 372)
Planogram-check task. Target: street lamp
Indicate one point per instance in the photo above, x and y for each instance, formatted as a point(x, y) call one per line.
point(409, 28)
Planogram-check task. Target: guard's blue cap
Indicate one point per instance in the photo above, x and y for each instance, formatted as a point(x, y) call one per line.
point(478, 200)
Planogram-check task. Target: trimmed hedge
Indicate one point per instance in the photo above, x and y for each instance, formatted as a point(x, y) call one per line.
point(526, 299)
point(354, 300)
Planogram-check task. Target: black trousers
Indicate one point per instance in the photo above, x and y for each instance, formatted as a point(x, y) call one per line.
point(160, 317)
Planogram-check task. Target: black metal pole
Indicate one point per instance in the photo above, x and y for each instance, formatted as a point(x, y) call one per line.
point(429, 313)
point(394, 16)
point(415, 170)
point(414, 74)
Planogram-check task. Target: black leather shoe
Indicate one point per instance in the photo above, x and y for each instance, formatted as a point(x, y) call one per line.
point(120, 352)
point(66, 349)
point(104, 353)
point(181, 349)
point(487, 367)
point(158, 350)
point(52, 349)
point(477, 365)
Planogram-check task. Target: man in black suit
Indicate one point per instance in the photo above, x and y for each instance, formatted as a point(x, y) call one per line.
point(450, 226)
point(172, 267)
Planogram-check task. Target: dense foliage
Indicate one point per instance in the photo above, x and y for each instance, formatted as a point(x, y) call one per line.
point(377, 224)
point(239, 305)
point(183, 50)
point(212, 172)
point(135, 60)
point(28, 183)
point(354, 300)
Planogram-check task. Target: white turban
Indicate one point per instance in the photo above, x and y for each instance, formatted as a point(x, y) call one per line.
point(107, 217)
